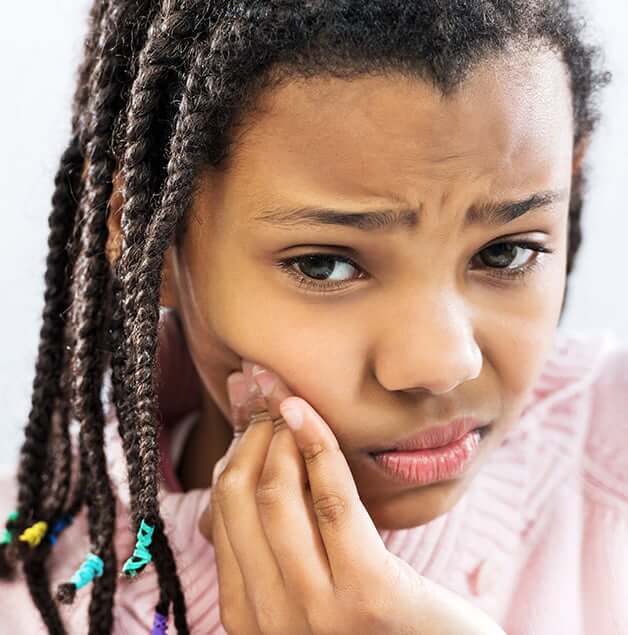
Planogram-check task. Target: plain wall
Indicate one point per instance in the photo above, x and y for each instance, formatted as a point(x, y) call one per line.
point(39, 53)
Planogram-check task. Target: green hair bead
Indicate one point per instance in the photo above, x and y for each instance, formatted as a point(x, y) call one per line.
point(141, 555)
point(7, 535)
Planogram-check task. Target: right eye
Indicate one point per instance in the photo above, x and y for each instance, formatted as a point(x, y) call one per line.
point(311, 268)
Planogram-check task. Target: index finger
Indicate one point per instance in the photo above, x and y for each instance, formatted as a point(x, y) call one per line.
point(353, 544)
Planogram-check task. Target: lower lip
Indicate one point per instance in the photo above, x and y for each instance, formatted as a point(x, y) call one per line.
point(422, 467)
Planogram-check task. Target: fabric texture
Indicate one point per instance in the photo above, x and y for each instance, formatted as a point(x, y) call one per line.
point(539, 540)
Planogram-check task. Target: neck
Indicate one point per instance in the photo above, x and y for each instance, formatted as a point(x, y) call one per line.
point(207, 442)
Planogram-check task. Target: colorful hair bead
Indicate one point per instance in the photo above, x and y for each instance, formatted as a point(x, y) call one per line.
point(34, 534)
point(58, 527)
point(7, 535)
point(160, 624)
point(141, 555)
point(92, 567)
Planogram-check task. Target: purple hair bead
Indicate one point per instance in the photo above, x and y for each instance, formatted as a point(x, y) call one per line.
point(160, 624)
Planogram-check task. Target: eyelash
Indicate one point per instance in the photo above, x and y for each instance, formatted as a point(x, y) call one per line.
point(303, 281)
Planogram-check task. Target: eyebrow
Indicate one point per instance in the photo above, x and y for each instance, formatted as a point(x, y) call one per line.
point(487, 213)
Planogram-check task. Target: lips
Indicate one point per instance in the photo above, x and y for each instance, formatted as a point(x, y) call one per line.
point(434, 437)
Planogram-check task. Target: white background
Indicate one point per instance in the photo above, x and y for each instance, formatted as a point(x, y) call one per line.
point(40, 47)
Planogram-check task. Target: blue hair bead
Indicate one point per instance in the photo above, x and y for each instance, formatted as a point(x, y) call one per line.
point(91, 568)
point(160, 624)
point(58, 527)
point(141, 555)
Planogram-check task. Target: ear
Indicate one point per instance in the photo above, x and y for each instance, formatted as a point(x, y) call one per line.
point(579, 154)
point(113, 248)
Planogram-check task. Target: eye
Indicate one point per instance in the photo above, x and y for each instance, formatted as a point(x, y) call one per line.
point(319, 271)
point(323, 272)
point(505, 253)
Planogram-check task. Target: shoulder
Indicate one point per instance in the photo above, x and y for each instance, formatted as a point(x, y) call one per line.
point(606, 449)
point(574, 365)
point(559, 402)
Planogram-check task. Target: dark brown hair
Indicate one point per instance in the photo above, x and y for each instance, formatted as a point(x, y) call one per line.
point(161, 92)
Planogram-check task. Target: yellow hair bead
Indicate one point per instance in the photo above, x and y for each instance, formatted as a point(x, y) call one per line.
point(34, 534)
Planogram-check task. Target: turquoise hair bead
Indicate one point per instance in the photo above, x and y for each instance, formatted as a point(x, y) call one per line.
point(141, 555)
point(91, 568)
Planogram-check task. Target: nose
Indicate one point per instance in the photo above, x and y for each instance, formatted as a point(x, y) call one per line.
point(430, 348)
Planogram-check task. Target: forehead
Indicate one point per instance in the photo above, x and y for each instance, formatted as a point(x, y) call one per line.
point(388, 136)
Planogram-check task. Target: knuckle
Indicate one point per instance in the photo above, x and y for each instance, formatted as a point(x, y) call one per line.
point(330, 508)
point(268, 619)
point(313, 452)
point(269, 493)
point(321, 621)
point(280, 425)
point(369, 609)
point(372, 617)
point(230, 481)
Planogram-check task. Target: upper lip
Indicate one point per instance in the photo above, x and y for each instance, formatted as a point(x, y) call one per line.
point(435, 436)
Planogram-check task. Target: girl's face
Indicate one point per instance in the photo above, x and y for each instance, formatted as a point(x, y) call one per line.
point(417, 327)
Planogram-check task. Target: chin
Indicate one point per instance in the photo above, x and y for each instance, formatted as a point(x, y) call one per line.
point(417, 506)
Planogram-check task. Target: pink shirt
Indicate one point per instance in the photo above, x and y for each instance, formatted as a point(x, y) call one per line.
point(539, 541)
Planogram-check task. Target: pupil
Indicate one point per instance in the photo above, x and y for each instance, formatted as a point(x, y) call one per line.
point(504, 260)
point(321, 267)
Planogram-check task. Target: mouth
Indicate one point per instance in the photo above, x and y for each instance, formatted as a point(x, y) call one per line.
point(429, 465)
point(483, 430)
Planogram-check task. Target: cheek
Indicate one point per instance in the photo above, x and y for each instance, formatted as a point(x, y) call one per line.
point(316, 353)
point(526, 338)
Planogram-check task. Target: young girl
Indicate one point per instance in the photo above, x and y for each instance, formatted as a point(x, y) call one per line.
point(379, 203)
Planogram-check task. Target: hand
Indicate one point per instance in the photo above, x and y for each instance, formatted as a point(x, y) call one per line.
point(296, 551)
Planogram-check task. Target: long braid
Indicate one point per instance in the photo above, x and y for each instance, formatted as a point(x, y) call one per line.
point(90, 286)
point(46, 396)
point(156, 61)
point(186, 154)
point(147, 94)
point(46, 391)
point(46, 384)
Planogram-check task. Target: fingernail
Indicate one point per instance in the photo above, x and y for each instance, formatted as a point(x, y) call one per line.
point(236, 388)
point(292, 416)
point(265, 379)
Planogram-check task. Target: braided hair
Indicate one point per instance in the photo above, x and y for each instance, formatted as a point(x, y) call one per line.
point(161, 93)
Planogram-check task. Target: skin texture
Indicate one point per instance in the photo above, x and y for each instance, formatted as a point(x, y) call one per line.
point(424, 331)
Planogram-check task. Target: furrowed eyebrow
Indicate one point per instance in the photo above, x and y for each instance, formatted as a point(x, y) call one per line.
point(490, 213)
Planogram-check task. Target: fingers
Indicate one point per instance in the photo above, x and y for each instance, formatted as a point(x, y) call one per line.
point(237, 396)
point(352, 543)
point(241, 410)
point(234, 604)
point(285, 507)
point(236, 387)
point(234, 494)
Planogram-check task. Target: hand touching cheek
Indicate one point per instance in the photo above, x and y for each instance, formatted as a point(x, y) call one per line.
point(296, 550)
